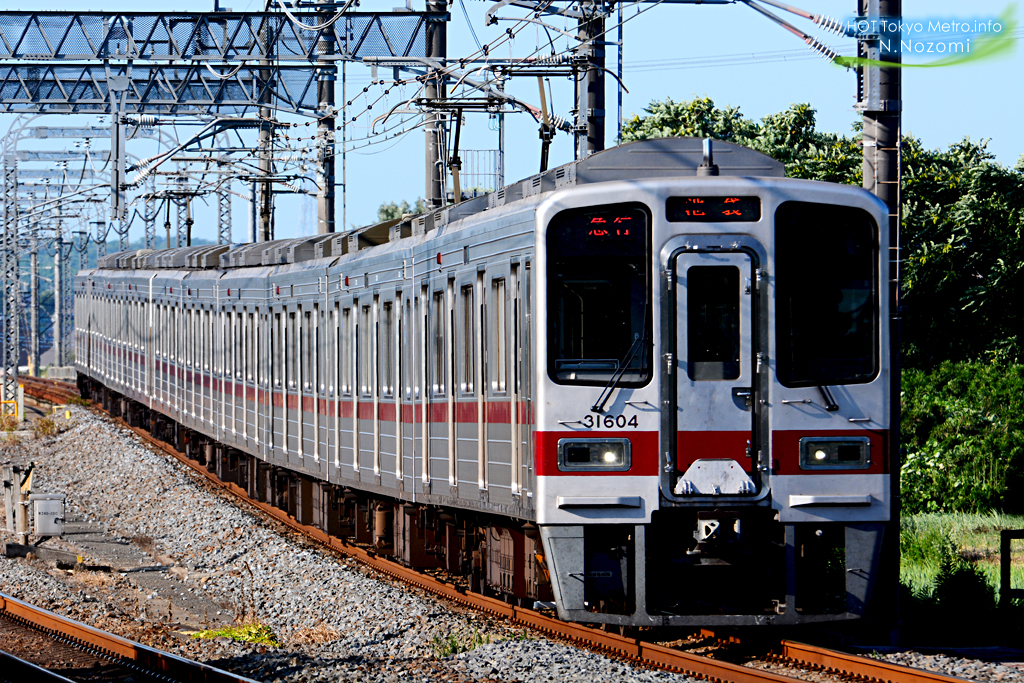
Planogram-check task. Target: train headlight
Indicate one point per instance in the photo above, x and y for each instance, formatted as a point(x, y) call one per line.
point(602, 455)
point(835, 453)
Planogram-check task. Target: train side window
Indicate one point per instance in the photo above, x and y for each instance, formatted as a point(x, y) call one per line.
point(387, 350)
point(713, 322)
point(499, 338)
point(826, 285)
point(599, 296)
point(467, 321)
point(437, 343)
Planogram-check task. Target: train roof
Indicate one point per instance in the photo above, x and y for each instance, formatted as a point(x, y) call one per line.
point(644, 159)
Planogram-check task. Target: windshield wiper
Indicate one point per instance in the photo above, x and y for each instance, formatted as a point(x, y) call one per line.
point(617, 375)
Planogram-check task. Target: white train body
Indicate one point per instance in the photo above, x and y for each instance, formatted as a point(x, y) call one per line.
point(680, 381)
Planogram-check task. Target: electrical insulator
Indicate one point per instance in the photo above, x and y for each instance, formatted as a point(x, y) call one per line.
point(831, 25)
point(822, 49)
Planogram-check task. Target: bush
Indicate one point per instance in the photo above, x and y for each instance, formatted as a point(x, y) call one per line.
point(963, 438)
point(45, 426)
point(8, 422)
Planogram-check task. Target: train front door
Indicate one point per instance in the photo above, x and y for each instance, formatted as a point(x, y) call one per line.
point(716, 375)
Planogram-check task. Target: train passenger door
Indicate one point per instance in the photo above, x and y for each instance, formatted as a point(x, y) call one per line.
point(716, 385)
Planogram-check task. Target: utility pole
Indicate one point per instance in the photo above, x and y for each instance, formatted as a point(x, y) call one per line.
point(437, 48)
point(223, 216)
point(58, 301)
point(881, 100)
point(182, 206)
point(325, 134)
point(11, 293)
point(265, 212)
point(33, 298)
point(150, 219)
point(590, 85)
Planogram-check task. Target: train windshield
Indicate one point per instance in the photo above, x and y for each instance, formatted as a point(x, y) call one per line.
point(599, 295)
point(827, 294)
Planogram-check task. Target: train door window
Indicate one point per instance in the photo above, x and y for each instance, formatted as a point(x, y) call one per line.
point(292, 353)
point(467, 339)
point(238, 345)
point(599, 296)
point(387, 350)
point(207, 335)
point(191, 338)
point(275, 337)
point(307, 350)
point(499, 342)
point(251, 348)
point(364, 354)
point(713, 322)
point(318, 374)
point(333, 344)
point(410, 379)
point(827, 294)
point(345, 352)
point(438, 309)
point(257, 376)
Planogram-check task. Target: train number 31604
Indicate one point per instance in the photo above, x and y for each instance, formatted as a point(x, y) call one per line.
point(609, 422)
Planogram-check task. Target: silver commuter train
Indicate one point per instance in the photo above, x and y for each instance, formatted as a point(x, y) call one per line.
point(646, 387)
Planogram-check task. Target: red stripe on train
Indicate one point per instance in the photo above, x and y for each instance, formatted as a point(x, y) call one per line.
point(643, 446)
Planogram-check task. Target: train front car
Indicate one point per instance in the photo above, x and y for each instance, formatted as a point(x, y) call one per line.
point(712, 407)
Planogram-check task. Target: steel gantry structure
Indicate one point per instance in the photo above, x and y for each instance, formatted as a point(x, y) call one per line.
point(173, 63)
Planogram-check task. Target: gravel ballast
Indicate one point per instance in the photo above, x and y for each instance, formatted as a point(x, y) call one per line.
point(336, 620)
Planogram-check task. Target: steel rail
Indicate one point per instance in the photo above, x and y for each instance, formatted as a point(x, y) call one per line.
point(630, 648)
point(115, 647)
point(17, 670)
point(860, 666)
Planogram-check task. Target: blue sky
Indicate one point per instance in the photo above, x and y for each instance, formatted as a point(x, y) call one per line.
point(729, 53)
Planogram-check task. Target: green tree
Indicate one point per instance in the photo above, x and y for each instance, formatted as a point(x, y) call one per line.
point(390, 211)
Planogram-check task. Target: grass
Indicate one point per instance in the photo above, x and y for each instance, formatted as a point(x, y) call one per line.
point(975, 538)
point(455, 644)
point(949, 571)
point(246, 633)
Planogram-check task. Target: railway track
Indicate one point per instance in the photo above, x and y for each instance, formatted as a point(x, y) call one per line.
point(787, 653)
point(40, 645)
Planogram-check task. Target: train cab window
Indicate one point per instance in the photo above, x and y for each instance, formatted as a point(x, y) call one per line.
point(827, 294)
point(599, 296)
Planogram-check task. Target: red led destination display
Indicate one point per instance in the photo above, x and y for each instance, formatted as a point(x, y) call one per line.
point(713, 209)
